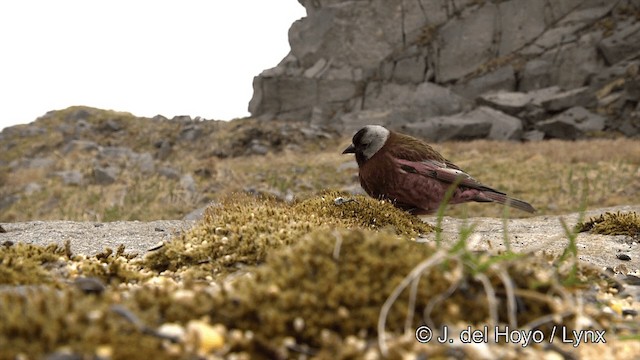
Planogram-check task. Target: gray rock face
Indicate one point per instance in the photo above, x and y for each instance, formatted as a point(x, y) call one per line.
point(399, 62)
point(471, 35)
point(424, 100)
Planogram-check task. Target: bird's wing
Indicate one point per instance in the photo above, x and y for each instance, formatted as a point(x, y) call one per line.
point(445, 172)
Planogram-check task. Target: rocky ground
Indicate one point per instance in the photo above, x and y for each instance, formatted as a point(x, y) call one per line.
point(540, 233)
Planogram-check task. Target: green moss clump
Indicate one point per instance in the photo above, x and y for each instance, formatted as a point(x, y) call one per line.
point(24, 264)
point(243, 229)
point(41, 320)
point(332, 280)
point(332, 284)
point(612, 224)
point(113, 267)
point(362, 211)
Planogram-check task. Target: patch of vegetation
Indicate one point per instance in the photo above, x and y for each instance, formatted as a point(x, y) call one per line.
point(25, 264)
point(261, 278)
point(625, 223)
point(242, 229)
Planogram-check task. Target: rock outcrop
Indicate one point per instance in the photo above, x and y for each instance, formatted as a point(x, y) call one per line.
point(412, 64)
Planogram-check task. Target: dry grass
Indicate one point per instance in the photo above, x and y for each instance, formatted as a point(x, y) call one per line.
point(552, 175)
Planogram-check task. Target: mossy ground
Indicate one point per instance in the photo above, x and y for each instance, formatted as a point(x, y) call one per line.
point(281, 280)
point(613, 224)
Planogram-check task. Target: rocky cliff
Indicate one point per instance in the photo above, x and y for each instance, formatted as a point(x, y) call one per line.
point(461, 69)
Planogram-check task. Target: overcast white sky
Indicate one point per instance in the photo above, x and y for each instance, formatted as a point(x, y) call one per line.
point(147, 57)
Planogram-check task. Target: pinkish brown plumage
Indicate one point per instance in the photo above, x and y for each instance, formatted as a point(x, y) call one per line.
point(413, 175)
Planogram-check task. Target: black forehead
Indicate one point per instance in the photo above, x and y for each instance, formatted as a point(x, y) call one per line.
point(357, 138)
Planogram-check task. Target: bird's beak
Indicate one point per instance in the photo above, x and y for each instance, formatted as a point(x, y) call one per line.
point(350, 150)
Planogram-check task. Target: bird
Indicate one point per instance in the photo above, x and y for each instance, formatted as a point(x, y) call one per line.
point(413, 176)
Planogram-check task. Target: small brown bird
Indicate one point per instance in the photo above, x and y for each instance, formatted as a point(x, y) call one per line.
point(413, 175)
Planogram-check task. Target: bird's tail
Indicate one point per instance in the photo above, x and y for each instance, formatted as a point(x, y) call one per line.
point(504, 199)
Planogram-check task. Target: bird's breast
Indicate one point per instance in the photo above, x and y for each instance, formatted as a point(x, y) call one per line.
point(378, 177)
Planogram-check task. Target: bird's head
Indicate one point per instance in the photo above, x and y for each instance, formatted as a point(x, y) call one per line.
point(367, 142)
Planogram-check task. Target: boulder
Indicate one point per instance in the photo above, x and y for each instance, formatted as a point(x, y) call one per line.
point(9, 200)
point(443, 128)
point(515, 102)
point(37, 163)
point(499, 80)
point(535, 75)
point(533, 135)
point(105, 175)
point(482, 122)
point(188, 183)
point(80, 145)
point(571, 124)
point(576, 97)
point(70, 177)
point(169, 173)
point(503, 126)
point(115, 152)
point(145, 163)
point(351, 122)
point(31, 188)
point(624, 41)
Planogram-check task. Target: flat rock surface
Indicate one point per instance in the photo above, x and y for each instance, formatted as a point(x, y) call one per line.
point(532, 234)
point(545, 233)
point(90, 238)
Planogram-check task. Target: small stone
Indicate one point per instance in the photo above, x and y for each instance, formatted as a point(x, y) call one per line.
point(632, 280)
point(89, 285)
point(203, 338)
point(104, 352)
point(623, 257)
point(298, 324)
point(157, 246)
point(171, 331)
